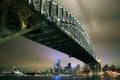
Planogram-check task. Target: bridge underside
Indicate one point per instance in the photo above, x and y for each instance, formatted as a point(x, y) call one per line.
point(54, 38)
point(47, 34)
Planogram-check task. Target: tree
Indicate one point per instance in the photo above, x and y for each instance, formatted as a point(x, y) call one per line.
point(112, 68)
point(106, 67)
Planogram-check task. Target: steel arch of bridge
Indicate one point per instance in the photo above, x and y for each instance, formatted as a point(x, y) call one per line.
point(53, 13)
point(65, 21)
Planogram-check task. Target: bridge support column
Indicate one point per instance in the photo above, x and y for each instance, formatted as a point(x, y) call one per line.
point(50, 10)
point(41, 6)
point(57, 12)
point(3, 19)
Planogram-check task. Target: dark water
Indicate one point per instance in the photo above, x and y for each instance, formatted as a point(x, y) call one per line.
point(55, 78)
point(41, 78)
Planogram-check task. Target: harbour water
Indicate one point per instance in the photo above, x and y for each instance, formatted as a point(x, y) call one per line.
point(56, 77)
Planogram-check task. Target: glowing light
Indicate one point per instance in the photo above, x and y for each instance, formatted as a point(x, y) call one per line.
point(99, 60)
point(56, 77)
point(24, 23)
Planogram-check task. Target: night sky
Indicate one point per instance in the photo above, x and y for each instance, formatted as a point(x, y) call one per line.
point(101, 19)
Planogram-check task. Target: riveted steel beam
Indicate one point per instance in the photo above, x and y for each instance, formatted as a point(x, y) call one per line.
point(32, 35)
point(41, 39)
point(22, 31)
point(60, 45)
point(56, 41)
point(23, 12)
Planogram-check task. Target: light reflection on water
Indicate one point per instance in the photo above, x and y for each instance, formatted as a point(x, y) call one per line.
point(56, 77)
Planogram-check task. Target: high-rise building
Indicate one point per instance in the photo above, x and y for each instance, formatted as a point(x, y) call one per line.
point(57, 66)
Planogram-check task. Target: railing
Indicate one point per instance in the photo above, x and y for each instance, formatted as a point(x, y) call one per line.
point(54, 12)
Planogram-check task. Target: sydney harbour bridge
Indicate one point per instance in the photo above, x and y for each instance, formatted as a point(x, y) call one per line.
point(48, 23)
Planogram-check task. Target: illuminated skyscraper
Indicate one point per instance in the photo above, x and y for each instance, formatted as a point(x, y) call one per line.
point(57, 66)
